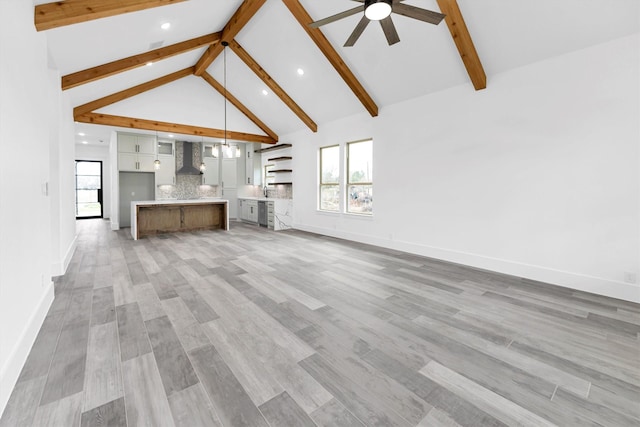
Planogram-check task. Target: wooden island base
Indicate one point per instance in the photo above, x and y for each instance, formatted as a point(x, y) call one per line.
point(154, 219)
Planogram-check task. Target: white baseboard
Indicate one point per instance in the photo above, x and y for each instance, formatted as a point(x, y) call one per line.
point(115, 226)
point(577, 281)
point(59, 268)
point(10, 372)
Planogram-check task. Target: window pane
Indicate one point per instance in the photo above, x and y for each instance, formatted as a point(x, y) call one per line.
point(87, 196)
point(88, 209)
point(360, 162)
point(87, 182)
point(165, 148)
point(360, 199)
point(329, 197)
point(330, 161)
point(88, 168)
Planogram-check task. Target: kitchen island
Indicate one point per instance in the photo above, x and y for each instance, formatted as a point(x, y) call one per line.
point(166, 216)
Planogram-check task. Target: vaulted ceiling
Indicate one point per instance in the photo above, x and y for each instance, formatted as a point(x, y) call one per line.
point(100, 48)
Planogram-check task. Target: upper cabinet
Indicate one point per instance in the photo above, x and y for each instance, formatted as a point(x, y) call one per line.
point(166, 173)
point(210, 157)
point(136, 153)
point(253, 167)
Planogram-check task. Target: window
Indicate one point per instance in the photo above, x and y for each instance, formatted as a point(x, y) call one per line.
point(359, 177)
point(330, 178)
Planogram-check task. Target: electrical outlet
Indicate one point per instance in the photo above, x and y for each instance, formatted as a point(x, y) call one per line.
point(630, 277)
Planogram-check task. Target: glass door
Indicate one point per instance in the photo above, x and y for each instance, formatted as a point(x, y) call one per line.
point(88, 189)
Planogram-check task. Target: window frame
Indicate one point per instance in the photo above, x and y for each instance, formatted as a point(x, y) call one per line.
point(321, 183)
point(348, 182)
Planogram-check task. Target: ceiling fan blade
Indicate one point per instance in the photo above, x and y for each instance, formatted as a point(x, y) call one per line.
point(336, 17)
point(389, 31)
point(418, 13)
point(357, 32)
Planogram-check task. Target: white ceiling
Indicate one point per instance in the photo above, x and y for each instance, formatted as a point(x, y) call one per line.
point(507, 34)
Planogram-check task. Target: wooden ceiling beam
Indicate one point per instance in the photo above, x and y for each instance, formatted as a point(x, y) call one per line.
point(128, 93)
point(105, 70)
point(332, 56)
point(266, 78)
point(462, 39)
point(62, 13)
point(135, 123)
point(239, 105)
point(245, 12)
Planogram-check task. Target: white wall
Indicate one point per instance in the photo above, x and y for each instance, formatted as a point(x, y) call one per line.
point(62, 177)
point(29, 105)
point(536, 176)
point(94, 152)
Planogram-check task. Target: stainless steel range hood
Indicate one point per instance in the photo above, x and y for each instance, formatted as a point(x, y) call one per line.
point(188, 167)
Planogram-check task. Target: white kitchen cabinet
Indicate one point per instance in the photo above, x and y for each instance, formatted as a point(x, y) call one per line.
point(270, 214)
point(211, 175)
point(166, 175)
point(136, 153)
point(252, 210)
point(248, 210)
point(132, 162)
point(210, 157)
point(243, 209)
point(166, 148)
point(143, 144)
point(146, 144)
point(230, 173)
point(253, 167)
point(127, 143)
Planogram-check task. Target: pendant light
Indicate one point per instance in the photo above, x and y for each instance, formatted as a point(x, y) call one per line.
point(224, 81)
point(156, 163)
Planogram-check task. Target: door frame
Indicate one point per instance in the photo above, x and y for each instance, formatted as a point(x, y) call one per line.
point(100, 190)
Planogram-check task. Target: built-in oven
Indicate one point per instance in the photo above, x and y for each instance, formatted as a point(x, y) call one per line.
point(262, 213)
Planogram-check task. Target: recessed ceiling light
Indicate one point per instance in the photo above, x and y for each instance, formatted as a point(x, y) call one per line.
point(166, 25)
point(300, 72)
point(170, 135)
point(149, 64)
point(84, 142)
point(264, 92)
point(81, 133)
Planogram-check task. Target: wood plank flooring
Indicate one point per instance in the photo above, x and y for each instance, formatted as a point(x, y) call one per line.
point(254, 328)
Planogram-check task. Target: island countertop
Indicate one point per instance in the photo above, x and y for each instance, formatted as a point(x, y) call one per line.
point(178, 219)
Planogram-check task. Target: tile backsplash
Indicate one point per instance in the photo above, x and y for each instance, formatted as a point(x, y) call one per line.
point(187, 187)
point(273, 191)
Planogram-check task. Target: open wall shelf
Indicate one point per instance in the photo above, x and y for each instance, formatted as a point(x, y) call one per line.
point(277, 159)
point(275, 147)
point(280, 170)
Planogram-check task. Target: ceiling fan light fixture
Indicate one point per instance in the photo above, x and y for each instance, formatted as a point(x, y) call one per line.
point(377, 10)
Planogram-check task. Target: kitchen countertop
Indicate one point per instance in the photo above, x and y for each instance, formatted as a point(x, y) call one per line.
point(177, 201)
point(260, 199)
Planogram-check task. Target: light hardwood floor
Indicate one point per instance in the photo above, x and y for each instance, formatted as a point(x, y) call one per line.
point(254, 328)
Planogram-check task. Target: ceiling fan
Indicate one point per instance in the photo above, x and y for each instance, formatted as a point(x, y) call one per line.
point(380, 10)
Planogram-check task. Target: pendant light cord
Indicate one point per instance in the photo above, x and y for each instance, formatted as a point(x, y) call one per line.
point(224, 53)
